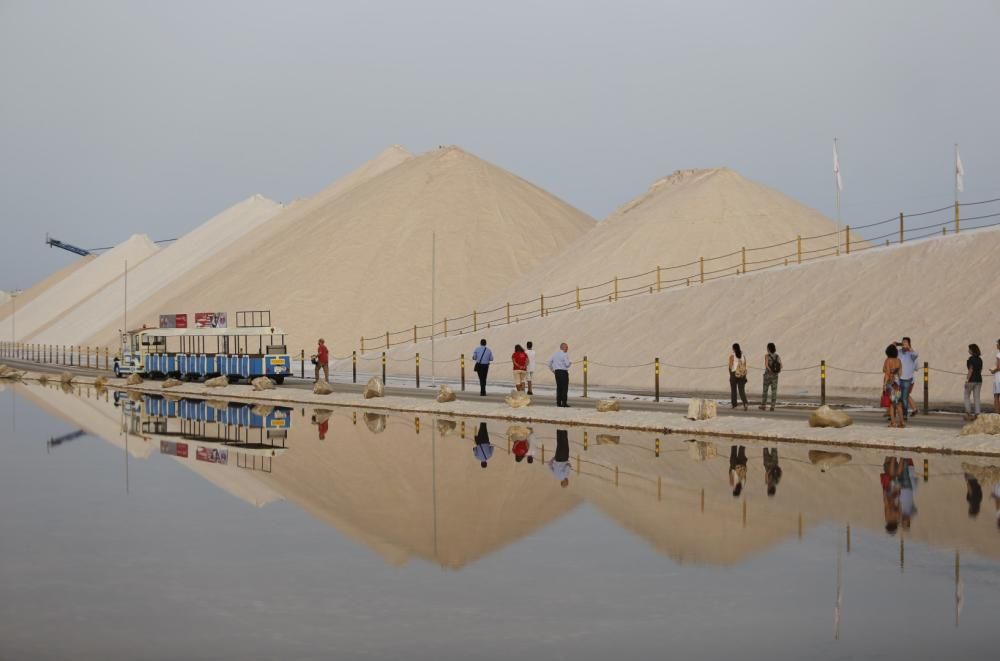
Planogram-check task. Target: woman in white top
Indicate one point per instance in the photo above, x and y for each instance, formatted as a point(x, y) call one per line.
point(738, 375)
point(995, 371)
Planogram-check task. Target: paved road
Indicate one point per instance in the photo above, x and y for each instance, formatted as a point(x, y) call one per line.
point(785, 411)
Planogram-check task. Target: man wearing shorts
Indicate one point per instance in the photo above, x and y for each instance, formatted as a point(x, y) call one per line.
point(531, 364)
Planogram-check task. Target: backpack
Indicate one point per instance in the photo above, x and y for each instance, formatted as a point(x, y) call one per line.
point(740, 368)
point(774, 363)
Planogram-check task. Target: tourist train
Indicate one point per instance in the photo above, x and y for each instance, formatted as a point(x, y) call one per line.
point(251, 349)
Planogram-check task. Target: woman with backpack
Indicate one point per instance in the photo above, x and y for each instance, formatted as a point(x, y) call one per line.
point(772, 367)
point(738, 375)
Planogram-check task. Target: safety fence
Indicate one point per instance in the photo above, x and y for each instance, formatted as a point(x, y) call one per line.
point(102, 358)
point(794, 251)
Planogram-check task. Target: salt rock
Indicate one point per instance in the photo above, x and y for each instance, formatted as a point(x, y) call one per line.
point(517, 399)
point(42, 378)
point(172, 383)
point(608, 439)
point(702, 409)
point(133, 395)
point(985, 474)
point(100, 382)
point(322, 388)
point(701, 450)
point(133, 380)
point(218, 404)
point(446, 394)
point(987, 423)
point(374, 388)
point(217, 382)
point(12, 375)
point(608, 405)
point(517, 433)
point(445, 427)
point(824, 416)
point(376, 422)
point(66, 377)
point(262, 383)
point(320, 416)
point(263, 410)
point(826, 460)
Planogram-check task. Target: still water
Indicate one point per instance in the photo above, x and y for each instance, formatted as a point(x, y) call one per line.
point(162, 529)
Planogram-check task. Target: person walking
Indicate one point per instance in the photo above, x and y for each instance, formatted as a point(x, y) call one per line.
point(481, 358)
point(322, 361)
point(772, 367)
point(891, 369)
point(973, 382)
point(559, 464)
point(531, 364)
point(520, 361)
point(738, 375)
point(995, 371)
point(909, 358)
point(560, 363)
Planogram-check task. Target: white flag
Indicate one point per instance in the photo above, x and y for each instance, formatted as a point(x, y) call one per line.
point(836, 167)
point(959, 172)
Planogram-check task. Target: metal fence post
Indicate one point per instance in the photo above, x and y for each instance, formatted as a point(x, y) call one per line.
point(354, 366)
point(822, 382)
point(927, 378)
point(418, 370)
point(302, 363)
point(585, 370)
point(383, 368)
point(847, 239)
point(462, 360)
point(900, 226)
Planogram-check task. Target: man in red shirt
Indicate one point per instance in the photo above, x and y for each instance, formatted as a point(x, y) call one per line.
point(322, 359)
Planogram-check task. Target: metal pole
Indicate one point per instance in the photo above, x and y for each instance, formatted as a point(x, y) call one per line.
point(656, 361)
point(701, 269)
point(901, 226)
point(354, 366)
point(433, 303)
point(956, 189)
point(847, 238)
point(927, 378)
point(383, 368)
point(302, 362)
point(585, 370)
point(798, 247)
point(462, 360)
point(822, 382)
point(418, 370)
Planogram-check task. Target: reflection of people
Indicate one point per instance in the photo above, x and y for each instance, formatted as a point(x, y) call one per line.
point(995, 496)
point(522, 448)
point(907, 487)
point(973, 494)
point(559, 464)
point(484, 449)
point(891, 468)
point(772, 471)
point(737, 468)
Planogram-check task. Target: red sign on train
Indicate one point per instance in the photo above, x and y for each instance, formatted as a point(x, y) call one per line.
point(210, 320)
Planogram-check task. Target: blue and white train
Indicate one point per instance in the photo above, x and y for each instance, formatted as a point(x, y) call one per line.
point(243, 352)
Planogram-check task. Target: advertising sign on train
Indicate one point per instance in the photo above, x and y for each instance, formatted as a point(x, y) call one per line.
point(174, 449)
point(210, 320)
point(212, 455)
point(173, 321)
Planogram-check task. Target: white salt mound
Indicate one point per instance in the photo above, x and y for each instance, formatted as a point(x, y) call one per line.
point(186, 295)
point(58, 299)
point(35, 290)
point(159, 272)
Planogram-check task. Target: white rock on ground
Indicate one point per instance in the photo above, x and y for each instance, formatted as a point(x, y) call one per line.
point(446, 394)
point(824, 416)
point(217, 382)
point(608, 405)
point(135, 379)
point(702, 409)
point(987, 423)
point(517, 399)
point(262, 383)
point(322, 388)
point(171, 383)
point(374, 388)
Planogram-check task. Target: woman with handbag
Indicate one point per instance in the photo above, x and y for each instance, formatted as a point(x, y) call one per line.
point(891, 386)
point(738, 375)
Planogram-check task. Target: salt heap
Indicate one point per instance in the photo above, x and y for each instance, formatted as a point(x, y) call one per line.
point(63, 295)
point(252, 247)
point(361, 262)
point(682, 217)
point(4, 297)
point(159, 272)
point(833, 309)
point(43, 285)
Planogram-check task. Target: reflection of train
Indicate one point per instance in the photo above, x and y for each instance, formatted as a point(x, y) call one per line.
point(253, 348)
point(243, 435)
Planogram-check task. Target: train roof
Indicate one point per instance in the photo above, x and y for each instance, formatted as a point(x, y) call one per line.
point(211, 332)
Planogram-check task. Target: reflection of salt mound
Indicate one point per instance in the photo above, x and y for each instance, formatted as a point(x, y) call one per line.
point(687, 215)
point(63, 295)
point(160, 271)
point(372, 245)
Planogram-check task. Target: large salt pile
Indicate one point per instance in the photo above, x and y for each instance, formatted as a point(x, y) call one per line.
point(4, 297)
point(842, 309)
point(35, 290)
point(252, 247)
point(362, 261)
point(159, 271)
point(63, 295)
point(683, 217)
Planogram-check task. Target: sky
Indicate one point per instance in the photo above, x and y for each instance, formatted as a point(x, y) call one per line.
point(125, 117)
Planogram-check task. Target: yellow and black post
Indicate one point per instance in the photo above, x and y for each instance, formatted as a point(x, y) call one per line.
point(462, 363)
point(383, 368)
point(418, 370)
point(657, 447)
point(302, 363)
point(585, 371)
point(822, 382)
point(901, 226)
point(354, 366)
point(847, 239)
point(927, 379)
point(656, 370)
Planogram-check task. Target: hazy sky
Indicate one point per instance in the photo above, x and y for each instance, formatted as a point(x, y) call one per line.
point(121, 117)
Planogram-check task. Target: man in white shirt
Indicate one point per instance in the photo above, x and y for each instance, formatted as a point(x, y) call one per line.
point(531, 364)
point(560, 363)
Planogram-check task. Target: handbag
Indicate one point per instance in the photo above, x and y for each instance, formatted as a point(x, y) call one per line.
point(885, 401)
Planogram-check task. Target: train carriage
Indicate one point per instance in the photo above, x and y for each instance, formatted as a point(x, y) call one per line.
point(251, 349)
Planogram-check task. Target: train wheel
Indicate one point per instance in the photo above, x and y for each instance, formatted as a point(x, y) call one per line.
point(278, 379)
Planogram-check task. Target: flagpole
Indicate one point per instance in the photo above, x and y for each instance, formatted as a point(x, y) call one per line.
point(433, 297)
point(836, 180)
